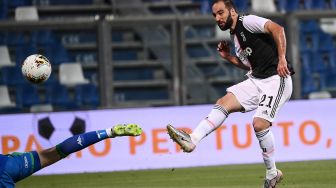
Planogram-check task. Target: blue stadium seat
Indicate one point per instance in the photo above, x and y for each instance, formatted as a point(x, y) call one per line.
point(196, 51)
point(27, 95)
point(326, 42)
point(143, 93)
point(43, 37)
point(308, 83)
point(13, 39)
point(56, 53)
point(324, 61)
point(12, 76)
point(242, 5)
point(293, 5)
point(23, 51)
point(309, 35)
point(123, 55)
point(12, 4)
point(87, 95)
point(3, 9)
point(72, 2)
point(133, 74)
point(58, 96)
point(324, 4)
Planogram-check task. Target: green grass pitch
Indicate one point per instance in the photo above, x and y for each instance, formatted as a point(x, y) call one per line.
point(308, 174)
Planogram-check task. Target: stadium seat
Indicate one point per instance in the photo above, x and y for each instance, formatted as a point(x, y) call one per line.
point(27, 95)
point(328, 25)
point(324, 61)
point(133, 74)
point(5, 59)
point(5, 101)
point(56, 52)
point(87, 95)
point(23, 51)
point(3, 9)
point(26, 13)
point(309, 35)
point(16, 3)
point(263, 6)
point(124, 55)
point(58, 96)
point(73, 2)
point(319, 95)
point(12, 76)
point(242, 5)
point(196, 51)
point(293, 5)
point(71, 74)
point(142, 94)
point(43, 37)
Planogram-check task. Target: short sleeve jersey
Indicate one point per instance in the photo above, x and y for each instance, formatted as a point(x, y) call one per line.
point(254, 47)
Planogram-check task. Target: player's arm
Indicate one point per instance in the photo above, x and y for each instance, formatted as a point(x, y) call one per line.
point(223, 49)
point(278, 34)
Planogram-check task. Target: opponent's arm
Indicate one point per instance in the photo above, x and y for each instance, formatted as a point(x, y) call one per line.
point(278, 34)
point(224, 51)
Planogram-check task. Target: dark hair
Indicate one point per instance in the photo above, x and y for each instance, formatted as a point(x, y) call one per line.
point(228, 3)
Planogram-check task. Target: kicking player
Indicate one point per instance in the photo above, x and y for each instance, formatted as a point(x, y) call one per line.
point(17, 166)
point(260, 48)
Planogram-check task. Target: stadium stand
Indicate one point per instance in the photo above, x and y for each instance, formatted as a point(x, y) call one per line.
point(150, 63)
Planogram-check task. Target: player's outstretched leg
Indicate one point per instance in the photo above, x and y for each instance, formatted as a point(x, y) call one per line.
point(272, 183)
point(79, 142)
point(181, 138)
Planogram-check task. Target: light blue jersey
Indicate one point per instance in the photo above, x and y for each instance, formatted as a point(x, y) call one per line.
point(17, 166)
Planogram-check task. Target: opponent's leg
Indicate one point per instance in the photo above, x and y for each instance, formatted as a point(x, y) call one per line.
point(216, 117)
point(79, 142)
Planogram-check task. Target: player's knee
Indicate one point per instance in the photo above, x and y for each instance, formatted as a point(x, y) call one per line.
point(230, 103)
point(260, 124)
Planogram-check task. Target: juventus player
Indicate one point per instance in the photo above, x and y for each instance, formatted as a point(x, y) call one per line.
point(260, 48)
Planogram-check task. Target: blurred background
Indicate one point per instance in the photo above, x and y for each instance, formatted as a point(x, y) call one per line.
point(146, 53)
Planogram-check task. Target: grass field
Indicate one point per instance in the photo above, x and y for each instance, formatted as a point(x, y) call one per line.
point(309, 174)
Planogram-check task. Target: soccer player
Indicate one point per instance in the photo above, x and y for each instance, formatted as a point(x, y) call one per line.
point(17, 166)
point(260, 48)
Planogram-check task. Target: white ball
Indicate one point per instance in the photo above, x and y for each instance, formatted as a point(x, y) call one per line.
point(36, 68)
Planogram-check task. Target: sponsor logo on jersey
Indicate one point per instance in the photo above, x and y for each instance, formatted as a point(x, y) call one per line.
point(243, 54)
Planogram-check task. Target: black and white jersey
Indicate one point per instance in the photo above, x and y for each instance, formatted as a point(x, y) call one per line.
point(254, 47)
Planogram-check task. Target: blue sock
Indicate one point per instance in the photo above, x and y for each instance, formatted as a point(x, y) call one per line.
point(80, 142)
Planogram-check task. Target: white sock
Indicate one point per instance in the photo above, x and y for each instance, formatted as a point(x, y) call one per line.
point(215, 119)
point(266, 142)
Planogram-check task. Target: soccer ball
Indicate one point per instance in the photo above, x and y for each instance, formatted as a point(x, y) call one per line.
point(36, 68)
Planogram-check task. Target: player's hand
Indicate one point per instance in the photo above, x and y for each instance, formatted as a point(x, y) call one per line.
point(224, 49)
point(282, 68)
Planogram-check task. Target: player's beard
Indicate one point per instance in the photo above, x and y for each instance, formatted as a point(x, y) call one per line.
point(228, 23)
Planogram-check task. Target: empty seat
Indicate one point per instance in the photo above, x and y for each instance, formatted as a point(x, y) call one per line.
point(263, 6)
point(242, 5)
point(319, 95)
point(12, 76)
point(56, 52)
point(5, 100)
point(27, 95)
point(71, 74)
point(59, 97)
point(87, 95)
point(26, 13)
point(5, 59)
point(3, 9)
point(328, 25)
